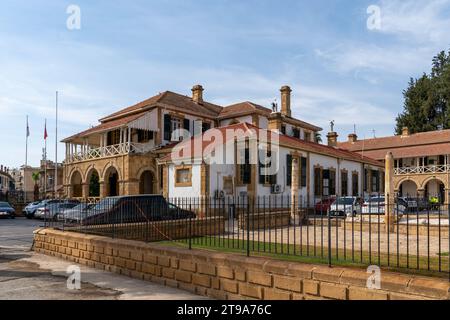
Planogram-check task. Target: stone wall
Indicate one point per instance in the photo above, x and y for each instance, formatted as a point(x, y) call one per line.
point(231, 276)
point(268, 220)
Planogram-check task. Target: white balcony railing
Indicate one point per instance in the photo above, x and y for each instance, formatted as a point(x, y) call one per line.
point(422, 169)
point(110, 151)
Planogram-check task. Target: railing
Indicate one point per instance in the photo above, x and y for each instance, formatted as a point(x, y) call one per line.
point(422, 169)
point(346, 231)
point(110, 151)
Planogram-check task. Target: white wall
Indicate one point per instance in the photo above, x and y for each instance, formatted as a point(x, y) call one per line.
point(183, 192)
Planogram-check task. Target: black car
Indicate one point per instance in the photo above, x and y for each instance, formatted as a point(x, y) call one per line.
point(6, 211)
point(133, 209)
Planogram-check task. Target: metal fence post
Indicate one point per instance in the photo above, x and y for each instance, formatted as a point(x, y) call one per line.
point(190, 227)
point(248, 226)
point(329, 237)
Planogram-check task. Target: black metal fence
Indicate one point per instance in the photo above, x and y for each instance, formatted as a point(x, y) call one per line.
point(342, 230)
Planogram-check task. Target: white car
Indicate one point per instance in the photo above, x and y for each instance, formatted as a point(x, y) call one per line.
point(346, 207)
point(376, 205)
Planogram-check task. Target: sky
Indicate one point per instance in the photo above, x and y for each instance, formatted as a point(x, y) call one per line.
point(343, 60)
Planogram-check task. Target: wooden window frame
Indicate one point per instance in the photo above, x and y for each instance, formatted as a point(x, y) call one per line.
point(183, 184)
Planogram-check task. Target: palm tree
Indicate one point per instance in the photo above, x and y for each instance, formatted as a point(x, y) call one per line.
point(35, 177)
point(318, 137)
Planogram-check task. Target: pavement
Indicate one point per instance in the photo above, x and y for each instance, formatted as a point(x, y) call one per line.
point(26, 275)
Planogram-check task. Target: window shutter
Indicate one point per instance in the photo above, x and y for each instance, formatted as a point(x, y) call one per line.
point(187, 125)
point(304, 172)
point(167, 127)
point(206, 126)
point(261, 175)
point(288, 170)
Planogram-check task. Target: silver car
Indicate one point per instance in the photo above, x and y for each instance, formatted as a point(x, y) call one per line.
point(376, 205)
point(346, 207)
point(51, 211)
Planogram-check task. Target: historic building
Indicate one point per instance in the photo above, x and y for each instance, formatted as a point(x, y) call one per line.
point(129, 152)
point(7, 182)
point(422, 161)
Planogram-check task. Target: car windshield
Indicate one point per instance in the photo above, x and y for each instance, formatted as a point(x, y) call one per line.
point(376, 199)
point(106, 203)
point(5, 205)
point(345, 201)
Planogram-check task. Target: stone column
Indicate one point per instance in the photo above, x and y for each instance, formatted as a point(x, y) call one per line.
point(389, 214)
point(85, 188)
point(102, 189)
point(447, 196)
point(294, 186)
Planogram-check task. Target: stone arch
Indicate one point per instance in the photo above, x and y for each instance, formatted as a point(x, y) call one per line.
point(147, 181)
point(76, 183)
point(435, 187)
point(111, 178)
point(427, 180)
point(407, 187)
point(92, 180)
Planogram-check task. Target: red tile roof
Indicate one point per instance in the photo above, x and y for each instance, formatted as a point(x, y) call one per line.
point(284, 140)
point(243, 108)
point(420, 144)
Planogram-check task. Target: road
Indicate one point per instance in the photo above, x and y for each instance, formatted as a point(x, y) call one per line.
point(25, 275)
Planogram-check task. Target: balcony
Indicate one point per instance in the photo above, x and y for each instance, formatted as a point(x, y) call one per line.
point(422, 170)
point(110, 151)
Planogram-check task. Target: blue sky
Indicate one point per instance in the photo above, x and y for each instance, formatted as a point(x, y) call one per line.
point(127, 51)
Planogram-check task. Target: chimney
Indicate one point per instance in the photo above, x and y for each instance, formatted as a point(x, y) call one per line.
point(197, 94)
point(286, 100)
point(332, 139)
point(352, 138)
point(405, 132)
point(1, 168)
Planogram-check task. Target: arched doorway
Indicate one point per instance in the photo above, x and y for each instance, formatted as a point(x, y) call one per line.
point(94, 184)
point(435, 188)
point(147, 182)
point(76, 183)
point(408, 188)
point(112, 182)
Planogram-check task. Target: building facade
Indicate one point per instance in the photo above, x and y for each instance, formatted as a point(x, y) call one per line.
point(422, 161)
point(130, 152)
point(7, 182)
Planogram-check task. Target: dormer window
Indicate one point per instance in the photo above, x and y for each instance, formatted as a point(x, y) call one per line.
point(296, 133)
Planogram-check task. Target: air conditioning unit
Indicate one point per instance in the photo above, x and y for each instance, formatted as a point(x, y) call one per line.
point(276, 188)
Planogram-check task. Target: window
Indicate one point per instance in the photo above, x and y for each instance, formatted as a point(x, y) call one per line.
point(283, 129)
point(318, 182)
point(183, 177)
point(167, 127)
point(296, 133)
point(206, 126)
point(288, 170)
point(144, 136)
point(355, 184)
point(375, 181)
point(332, 187)
point(113, 137)
point(244, 166)
point(266, 155)
point(366, 180)
point(344, 183)
point(303, 172)
point(307, 136)
point(175, 125)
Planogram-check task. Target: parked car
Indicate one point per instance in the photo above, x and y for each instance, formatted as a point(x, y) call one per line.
point(376, 205)
point(75, 213)
point(6, 211)
point(52, 210)
point(130, 209)
point(322, 207)
point(30, 210)
point(346, 207)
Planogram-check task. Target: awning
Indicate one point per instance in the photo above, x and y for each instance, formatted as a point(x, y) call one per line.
point(148, 121)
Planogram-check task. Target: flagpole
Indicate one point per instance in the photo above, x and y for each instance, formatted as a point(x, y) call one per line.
point(45, 160)
point(26, 163)
point(56, 148)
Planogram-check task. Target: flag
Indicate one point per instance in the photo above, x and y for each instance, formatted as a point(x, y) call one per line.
point(45, 131)
point(28, 128)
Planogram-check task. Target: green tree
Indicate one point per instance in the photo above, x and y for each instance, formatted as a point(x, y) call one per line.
point(427, 99)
